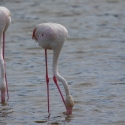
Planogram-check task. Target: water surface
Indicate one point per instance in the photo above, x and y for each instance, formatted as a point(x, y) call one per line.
point(92, 61)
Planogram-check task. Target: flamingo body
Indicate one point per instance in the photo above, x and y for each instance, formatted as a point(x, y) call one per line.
point(52, 36)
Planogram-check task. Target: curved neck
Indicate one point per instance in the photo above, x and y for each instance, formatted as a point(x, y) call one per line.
point(1, 43)
point(1, 46)
point(55, 71)
point(2, 61)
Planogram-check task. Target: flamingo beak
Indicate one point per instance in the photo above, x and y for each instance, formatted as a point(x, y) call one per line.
point(2, 95)
point(69, 110)
point(33, 35)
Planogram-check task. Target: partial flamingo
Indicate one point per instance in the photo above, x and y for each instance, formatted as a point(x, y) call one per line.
point(52, 36)
point(5, 20)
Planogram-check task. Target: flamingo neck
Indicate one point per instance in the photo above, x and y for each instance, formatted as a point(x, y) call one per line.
point(2, 85)
point(55, 71)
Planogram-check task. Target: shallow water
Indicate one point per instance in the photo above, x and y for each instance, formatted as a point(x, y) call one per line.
point(92, 61)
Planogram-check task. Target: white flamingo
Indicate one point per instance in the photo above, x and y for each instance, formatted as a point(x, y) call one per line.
point(5, 20)
point(52, 36)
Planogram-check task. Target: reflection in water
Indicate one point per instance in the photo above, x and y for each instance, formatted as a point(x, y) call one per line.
point(5, 113)
point(56, 120)
point(42, 121)
point(92, 61)
point(4, 110)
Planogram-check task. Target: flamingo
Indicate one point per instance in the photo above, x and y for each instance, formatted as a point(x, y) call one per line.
point(52, 36)
point(5, 20)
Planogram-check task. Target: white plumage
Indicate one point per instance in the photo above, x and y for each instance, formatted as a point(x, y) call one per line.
point(5, 20)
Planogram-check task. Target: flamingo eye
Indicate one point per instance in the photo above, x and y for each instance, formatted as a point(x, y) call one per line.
point(42, 34)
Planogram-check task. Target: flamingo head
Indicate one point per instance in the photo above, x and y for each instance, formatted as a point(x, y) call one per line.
point(69, 104)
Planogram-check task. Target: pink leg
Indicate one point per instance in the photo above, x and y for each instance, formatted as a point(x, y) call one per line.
point(4, 64)
point(47, 79)
point(55, 80)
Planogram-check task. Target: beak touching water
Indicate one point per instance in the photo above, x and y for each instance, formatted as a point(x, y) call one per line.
point(69, 110)
point(3, 95)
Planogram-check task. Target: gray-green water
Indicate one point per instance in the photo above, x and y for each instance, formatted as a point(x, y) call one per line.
point(92, 61)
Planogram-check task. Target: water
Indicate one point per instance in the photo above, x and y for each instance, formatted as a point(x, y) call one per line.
point(92, 61)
